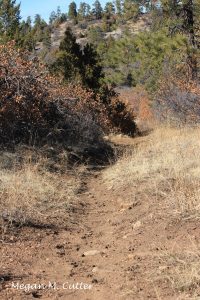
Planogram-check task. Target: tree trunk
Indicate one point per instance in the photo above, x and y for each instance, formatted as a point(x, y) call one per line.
point(189, 27)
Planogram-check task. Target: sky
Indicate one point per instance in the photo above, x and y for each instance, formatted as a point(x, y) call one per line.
point(45, 7)
point(42, 7)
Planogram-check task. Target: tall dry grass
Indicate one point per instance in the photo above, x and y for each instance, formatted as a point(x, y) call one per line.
point(168, 162)
point(164, 169)
point(180, 271)
point(32, 195)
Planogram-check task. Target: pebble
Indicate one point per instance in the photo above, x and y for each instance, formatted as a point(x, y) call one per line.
point(95, 269)
point(137, 224)
point(91, 252)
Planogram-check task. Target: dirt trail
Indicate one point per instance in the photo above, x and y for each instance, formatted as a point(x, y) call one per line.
point(116, 243)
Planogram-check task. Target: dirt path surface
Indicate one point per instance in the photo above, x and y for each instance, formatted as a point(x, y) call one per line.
point(117, 243)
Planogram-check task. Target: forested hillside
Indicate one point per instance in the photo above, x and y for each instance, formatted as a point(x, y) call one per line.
point(134, 43)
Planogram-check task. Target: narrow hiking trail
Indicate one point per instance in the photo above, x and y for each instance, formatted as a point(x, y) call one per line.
point(117, 243)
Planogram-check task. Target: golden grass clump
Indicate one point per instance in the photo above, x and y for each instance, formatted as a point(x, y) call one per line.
point(30, 195)
point(168, 162)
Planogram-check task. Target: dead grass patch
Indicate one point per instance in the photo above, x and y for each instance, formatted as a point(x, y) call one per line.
point(164, 171)
point(32, 195)
point(182, 273)
point(168, 163)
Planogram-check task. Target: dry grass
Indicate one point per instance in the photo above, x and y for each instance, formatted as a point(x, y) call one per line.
point(181, 271)
point(168, 162)
point(164, 169)
point(31, 195)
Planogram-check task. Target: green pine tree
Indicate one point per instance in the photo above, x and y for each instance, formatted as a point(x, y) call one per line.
point(72, 13)
point(92, 71)
point(82, 12)
point(76, 65)
point(68, 58)
point(9, 19)
point(97, 10)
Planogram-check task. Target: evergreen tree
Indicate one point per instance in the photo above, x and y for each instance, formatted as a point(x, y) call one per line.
point(9, 19)
point(82, 12)
point(58, 12)
point(72, 13)
point(41, 30)
point(184, 16)
point(92, 72)
point(57, 17)
point(95, 35)
point(142, 59)
point(52, 17)
point(131, 9)
point(118, 4)
point(88, 10)
point(77, 65)
point(109, 9)
point(29, 22)
point(26, 37)
point(97, 10)
point(37, 21)
point(63, 18)
point(68, 58)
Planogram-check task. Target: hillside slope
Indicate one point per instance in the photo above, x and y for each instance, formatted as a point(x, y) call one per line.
point(143, 23)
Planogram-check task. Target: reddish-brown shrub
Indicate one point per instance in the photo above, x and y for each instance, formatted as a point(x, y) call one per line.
point(178, 100)
point(139, 101)
point(37, 108)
